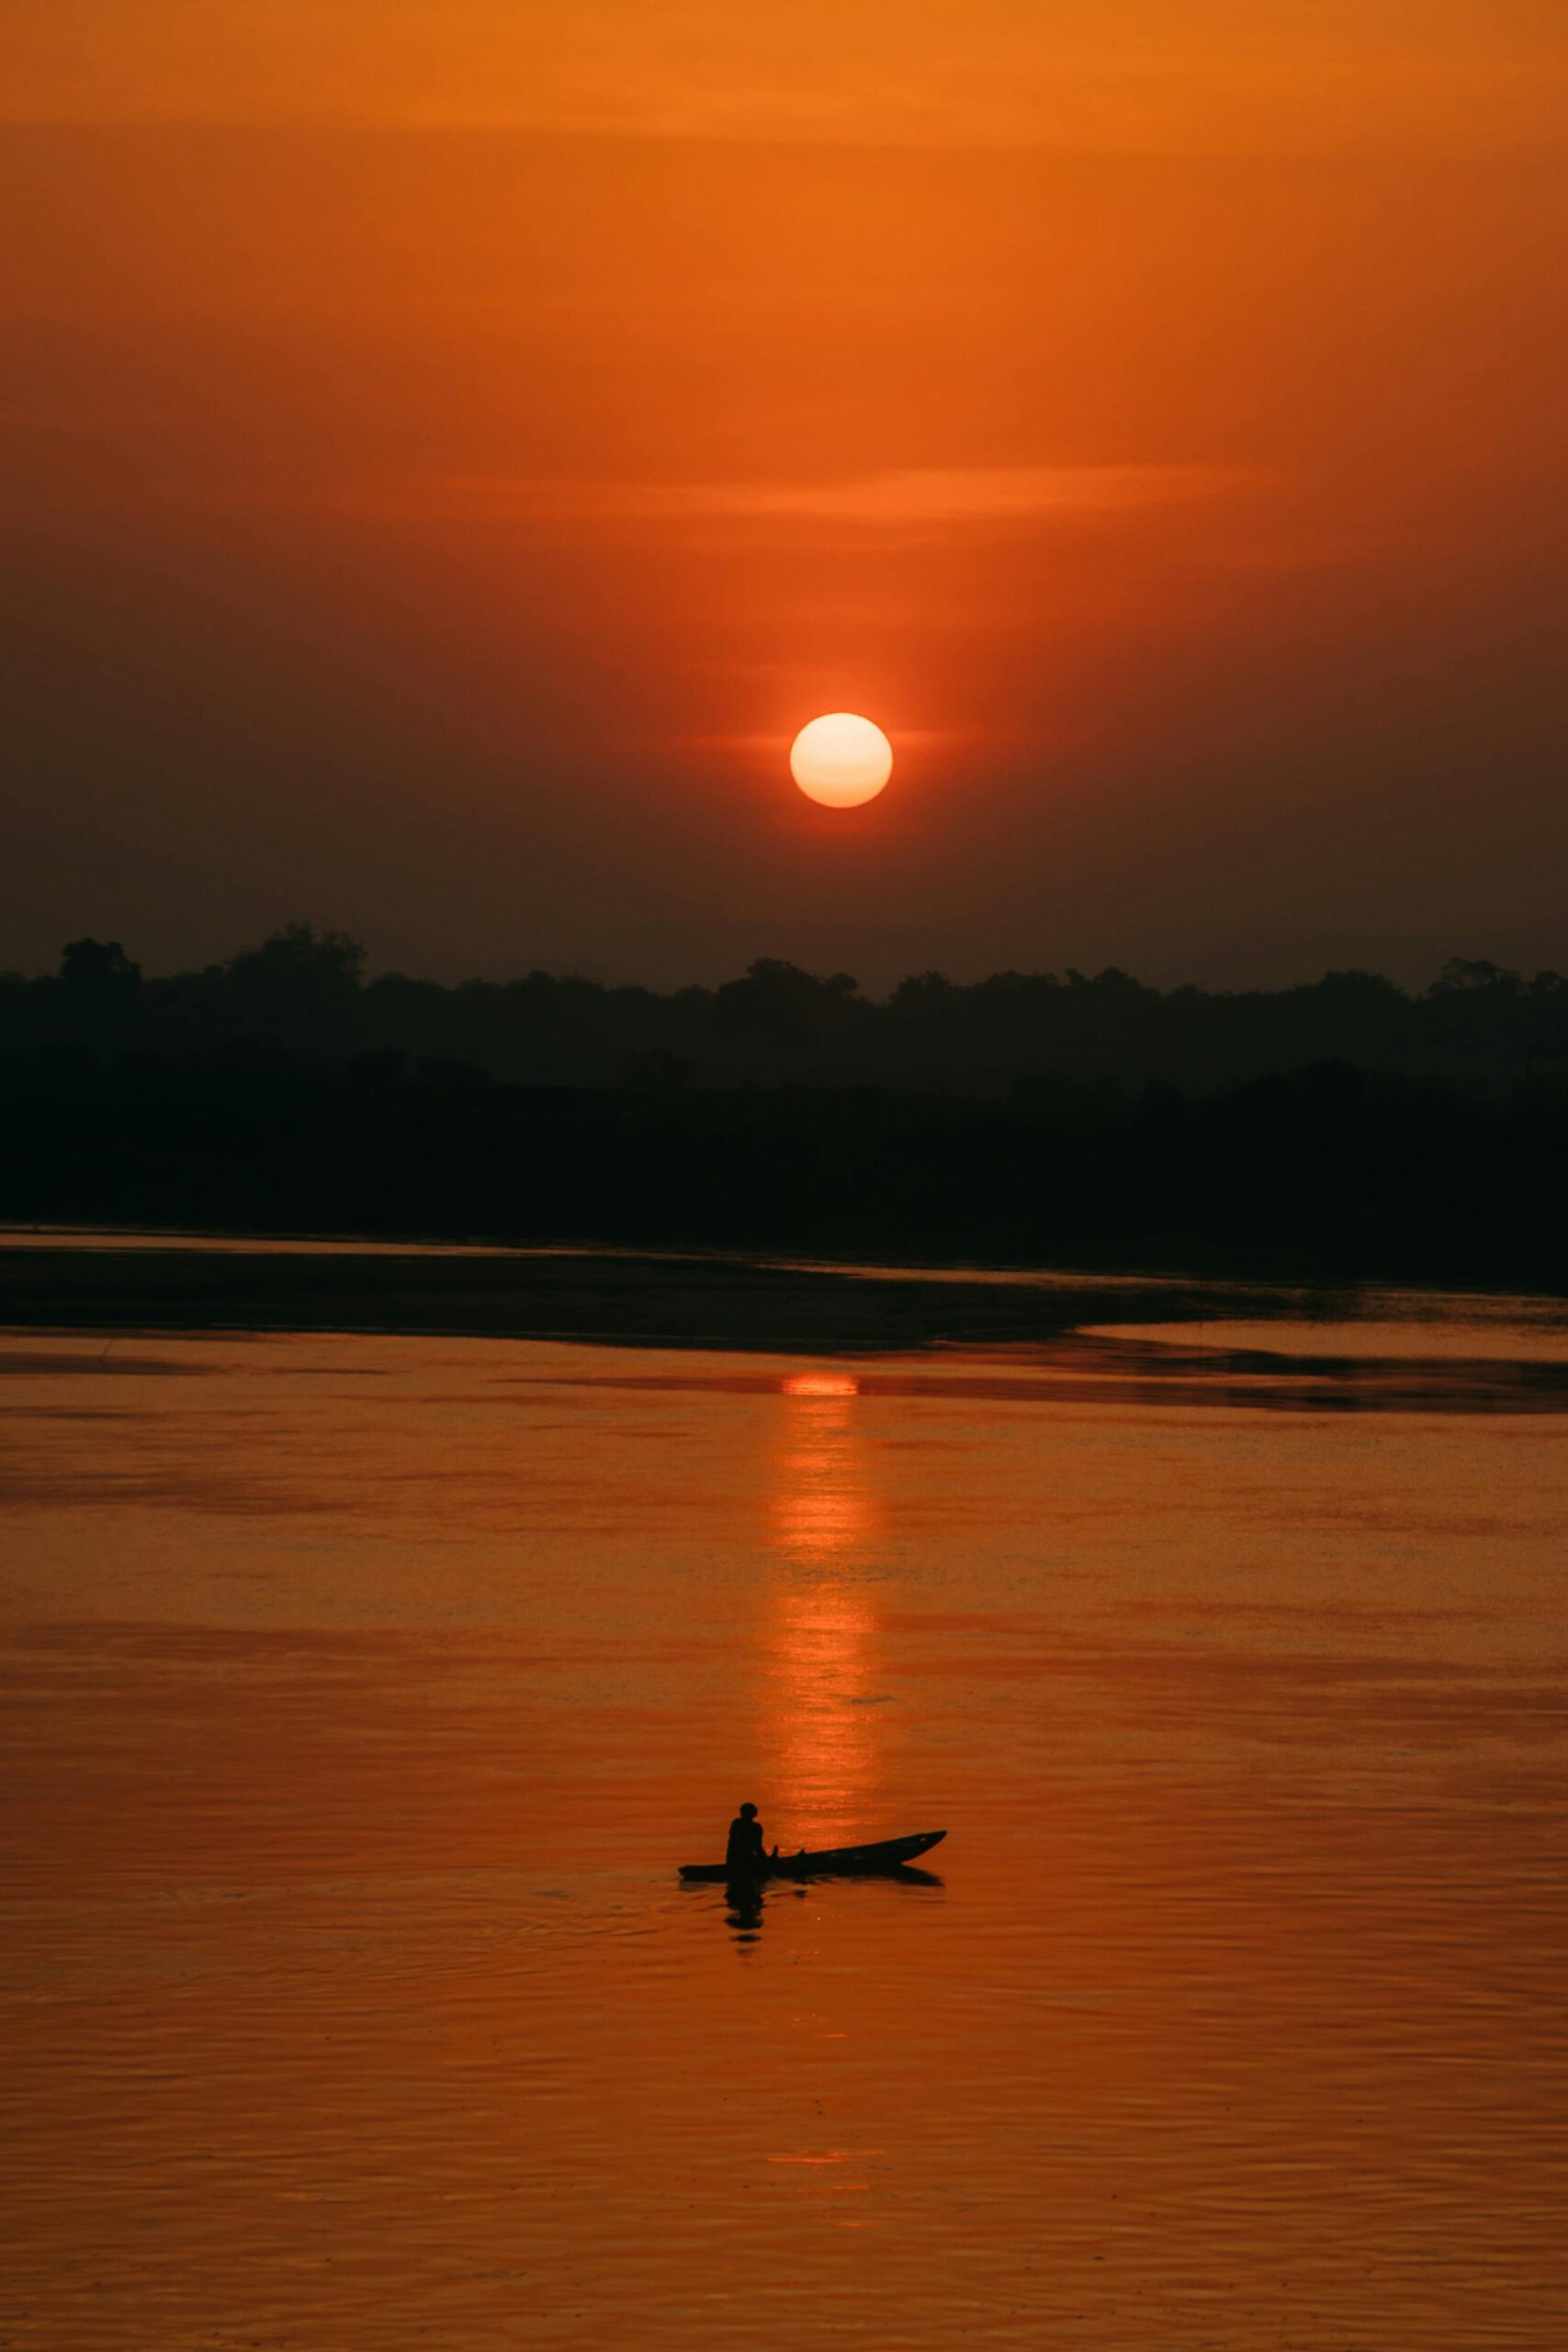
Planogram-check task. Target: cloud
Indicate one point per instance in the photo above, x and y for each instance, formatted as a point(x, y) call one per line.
point(918, 498)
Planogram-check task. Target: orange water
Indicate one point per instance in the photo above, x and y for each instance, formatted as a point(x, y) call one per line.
point(362, 1694)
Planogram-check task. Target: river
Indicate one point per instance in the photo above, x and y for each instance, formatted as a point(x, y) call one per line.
point(364, 1692)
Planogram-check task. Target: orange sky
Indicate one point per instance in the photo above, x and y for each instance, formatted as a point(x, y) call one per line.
point(452, 448)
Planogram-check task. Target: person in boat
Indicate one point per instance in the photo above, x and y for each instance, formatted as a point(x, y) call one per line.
point(746, 1855)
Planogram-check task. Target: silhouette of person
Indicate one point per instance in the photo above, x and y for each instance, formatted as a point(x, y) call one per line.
point(746, 1855)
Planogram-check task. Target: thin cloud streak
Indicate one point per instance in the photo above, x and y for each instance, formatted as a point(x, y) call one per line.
point(908, 498)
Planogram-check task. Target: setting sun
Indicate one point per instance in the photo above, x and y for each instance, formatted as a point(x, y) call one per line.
point(841, 760)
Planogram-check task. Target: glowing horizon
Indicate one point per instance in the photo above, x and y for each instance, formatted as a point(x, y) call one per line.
point(1161, 436)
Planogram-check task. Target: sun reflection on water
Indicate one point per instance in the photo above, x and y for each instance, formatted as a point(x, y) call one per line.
point(825, 1523)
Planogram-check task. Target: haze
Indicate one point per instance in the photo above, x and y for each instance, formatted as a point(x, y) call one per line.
point(450, 453)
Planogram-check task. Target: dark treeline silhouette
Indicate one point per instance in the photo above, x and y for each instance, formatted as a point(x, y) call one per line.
point(302, 992)
point(1345, 1128)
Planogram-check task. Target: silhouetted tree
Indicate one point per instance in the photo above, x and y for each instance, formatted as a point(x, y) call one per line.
point(298, 987)
point(778, 1007)
point(98, 987)
point(1014, 1035)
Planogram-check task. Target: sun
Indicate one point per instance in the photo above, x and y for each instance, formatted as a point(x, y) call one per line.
point(841, 760)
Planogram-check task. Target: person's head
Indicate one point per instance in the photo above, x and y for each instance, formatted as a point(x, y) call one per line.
point(748, 1812)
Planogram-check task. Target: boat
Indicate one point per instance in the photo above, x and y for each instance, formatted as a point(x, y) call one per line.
point(833, 1861)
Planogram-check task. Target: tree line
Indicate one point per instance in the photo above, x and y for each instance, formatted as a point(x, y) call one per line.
point(1347, 1127)
point(305, 992)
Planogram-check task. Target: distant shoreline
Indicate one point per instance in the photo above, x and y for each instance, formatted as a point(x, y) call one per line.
point(629, 1298)
point(1328, 1175)
point(98, 1279)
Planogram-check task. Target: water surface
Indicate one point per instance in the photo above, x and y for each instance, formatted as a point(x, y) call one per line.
point(364, 1692)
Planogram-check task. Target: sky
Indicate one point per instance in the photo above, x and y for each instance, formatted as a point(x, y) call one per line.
point(450, 447)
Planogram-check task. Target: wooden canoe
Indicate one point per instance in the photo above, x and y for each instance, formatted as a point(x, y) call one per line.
point(833, 1861)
